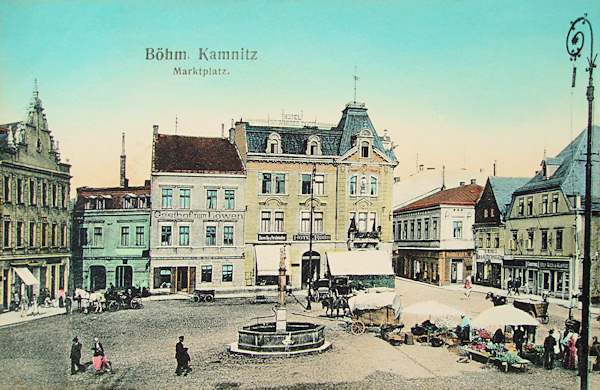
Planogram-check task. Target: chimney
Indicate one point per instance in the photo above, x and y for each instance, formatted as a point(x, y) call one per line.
point(473, 181)
point(462, 183)
point(123, 181)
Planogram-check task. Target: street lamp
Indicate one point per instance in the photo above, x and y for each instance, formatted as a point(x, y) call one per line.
point(575, 43)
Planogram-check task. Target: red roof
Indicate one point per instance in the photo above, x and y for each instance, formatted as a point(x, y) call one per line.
point(176, 153)
point(460, 196)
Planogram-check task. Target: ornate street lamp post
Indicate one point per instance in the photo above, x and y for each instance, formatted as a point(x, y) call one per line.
point(575, 43)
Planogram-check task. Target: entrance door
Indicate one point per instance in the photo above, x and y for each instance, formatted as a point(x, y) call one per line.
point(311, 270)
point(456, 271)
point(97, 277)
point(182, 278)
point(124, 276)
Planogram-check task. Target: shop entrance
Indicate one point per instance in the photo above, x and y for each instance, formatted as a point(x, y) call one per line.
point(456, 271)
point(311, 268)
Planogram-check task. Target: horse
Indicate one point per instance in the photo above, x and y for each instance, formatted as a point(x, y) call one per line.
point(86, 299)
point(330, 304)
point(498, 300)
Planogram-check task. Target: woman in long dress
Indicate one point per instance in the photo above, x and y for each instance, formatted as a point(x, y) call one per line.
point(570, 354)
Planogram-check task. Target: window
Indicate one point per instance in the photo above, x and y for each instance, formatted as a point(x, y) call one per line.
point(19, 234)
point(313, 147)
point(544, 240)
point(305, 186)
point(20, 191)
point(412, 230)
point(274, 143)
point(373, 186)
point(364, 149)
point(44, 234)
point(362, 222)
point(426, 230)
point(435, 229)
point(457, 229)
point(530, 237)
point(405, 231)
point(305, 222)
point(496, 241)
point(419, 229)
point(227, 273)
point(6, 234)
point(63, 197)
point(492, 212)
point(229, 199)
point(353, 185)
point(124, 235)
point(32, 191)
point(319, 185)
point(32, 234)
point(485, 213)
point(211, 235)
point(514, 240)
point(139, 235)
point(266, 183)
point(555, 203)
point(559, 240)
point(228, 235)
point(167, 197)
point(211, 199)
point(184, 235)
point(44, 194)
point(318, 221)
point(544, 205)
point(54, 234)
point(280, 183)
point(184, 198)
point(165, 235)
point(63, 236)
point(206, 273)
point(488, 242)
point(265, 221)
point(7, 189)
point(54, 196)
point(279, 221)
point(521, 206)
point(530, 206)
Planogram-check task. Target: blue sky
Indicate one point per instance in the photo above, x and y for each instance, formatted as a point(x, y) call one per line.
point(460, 83)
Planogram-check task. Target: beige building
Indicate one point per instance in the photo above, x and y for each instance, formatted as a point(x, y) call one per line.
point(34, 255)
point(314, 190)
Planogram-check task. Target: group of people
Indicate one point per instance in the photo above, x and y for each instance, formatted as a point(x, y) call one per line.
point(101, 364)
point(568, 347)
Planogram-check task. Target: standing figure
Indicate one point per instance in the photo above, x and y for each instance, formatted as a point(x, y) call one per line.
point(548, 357)
point(35, 310)
point(468, 286)
point(76, 365)
point(465, 328)
point(24, 305)
point(100, 362)
point(498, 337)
point(519, 338)
point(595, 352)
point(183, 358)
point(509, 286)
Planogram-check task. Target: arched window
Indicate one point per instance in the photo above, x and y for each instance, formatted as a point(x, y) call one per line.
point(364, 149)
point(313, 146)
point(353, 185)
point(274, 144)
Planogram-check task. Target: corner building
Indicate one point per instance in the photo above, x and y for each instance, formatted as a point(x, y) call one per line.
point(340, 178)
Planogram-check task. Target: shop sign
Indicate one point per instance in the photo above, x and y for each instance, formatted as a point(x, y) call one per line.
point(532, 264)
point(554, 265)
point(315, 237)
point(513, 263)
point(272, 236)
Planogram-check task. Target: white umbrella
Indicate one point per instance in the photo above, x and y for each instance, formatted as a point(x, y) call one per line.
point(501, 316)
point(433, 309)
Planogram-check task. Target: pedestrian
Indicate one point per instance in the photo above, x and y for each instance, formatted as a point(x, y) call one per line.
point(557, 347)
point(498, 337)
point(69, 304)
point(465, 328)
point(100, 362)
point(24, 305)
point(509, 286)
point(183, 358)
point(531, 333)
point(595, 353)
point(548, 357)
point(61, 298)
point(519, 338)
point(570, 352)
point(76, 365)
point(468, 286)
point(35, 310)
point(517, 285)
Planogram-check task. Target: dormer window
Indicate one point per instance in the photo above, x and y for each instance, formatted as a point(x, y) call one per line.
point(274, 144)
point(313, 146)
point(364, 142)
point(364, 149)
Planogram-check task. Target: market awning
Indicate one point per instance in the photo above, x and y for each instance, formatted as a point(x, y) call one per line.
point(26, 276)
point(267, 260)
point(367, 262)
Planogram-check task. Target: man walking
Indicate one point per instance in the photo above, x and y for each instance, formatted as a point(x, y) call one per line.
point(548, 357)
point(76, 365)
point(183, 358)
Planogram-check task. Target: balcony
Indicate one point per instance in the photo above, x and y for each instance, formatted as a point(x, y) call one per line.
point(357, 239)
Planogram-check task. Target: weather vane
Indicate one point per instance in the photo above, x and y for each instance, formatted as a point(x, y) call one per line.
point(355, 80)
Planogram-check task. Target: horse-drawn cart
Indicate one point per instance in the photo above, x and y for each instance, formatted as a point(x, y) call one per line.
point(375, 307)
point(537, 309)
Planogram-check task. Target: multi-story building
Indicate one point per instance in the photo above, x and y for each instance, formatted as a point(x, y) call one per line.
point(544, 248)
point(314, 190)
point(489, 228)
point(434, 236)
point(111, 235)
point(34, 255)
point(198, 212)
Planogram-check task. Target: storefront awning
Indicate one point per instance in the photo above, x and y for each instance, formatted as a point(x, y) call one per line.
point(26, 276)
point(267, 260)
point(360, 263)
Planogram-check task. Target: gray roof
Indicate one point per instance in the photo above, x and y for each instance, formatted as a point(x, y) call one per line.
point(503, 188)
point(570, 176)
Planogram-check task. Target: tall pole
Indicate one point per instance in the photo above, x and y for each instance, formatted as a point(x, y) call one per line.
point(575, 42)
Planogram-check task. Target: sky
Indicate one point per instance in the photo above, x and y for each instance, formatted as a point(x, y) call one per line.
point(464, 84)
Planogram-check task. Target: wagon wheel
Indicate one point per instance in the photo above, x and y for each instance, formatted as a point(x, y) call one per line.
point(209, 298)
point(113, 306)
point(545, 319)
point(532, 313)
point(357, 327)
point(195, 298)
point(135, 303)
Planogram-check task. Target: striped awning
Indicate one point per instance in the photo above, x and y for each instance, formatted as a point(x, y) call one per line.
point(26, 276)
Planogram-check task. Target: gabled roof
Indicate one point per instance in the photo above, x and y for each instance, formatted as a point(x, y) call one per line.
point(176, 153)
point(503, 188)
point(570, 176)
point(467, 195)
point(112, 195)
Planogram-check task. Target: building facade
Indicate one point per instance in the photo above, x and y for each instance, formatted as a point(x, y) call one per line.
point(489, 228)
point(314, 190)
point(111, 237)
point(35, 253)
point(434, 236)
point(198, 214)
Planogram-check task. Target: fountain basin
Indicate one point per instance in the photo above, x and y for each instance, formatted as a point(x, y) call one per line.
point(263, 340)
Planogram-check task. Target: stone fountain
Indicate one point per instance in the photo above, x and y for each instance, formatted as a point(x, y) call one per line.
point(280, 338)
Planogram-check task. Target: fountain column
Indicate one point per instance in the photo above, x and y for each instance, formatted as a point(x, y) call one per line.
point(280, 311)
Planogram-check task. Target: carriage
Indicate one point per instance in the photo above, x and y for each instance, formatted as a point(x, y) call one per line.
point(202, 296)
point(128, 298)
point(537, 308)
point(375, 307)
point(319, 289)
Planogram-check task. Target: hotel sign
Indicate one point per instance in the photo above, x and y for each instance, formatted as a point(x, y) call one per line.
point(315, 237)
point(187, 215)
